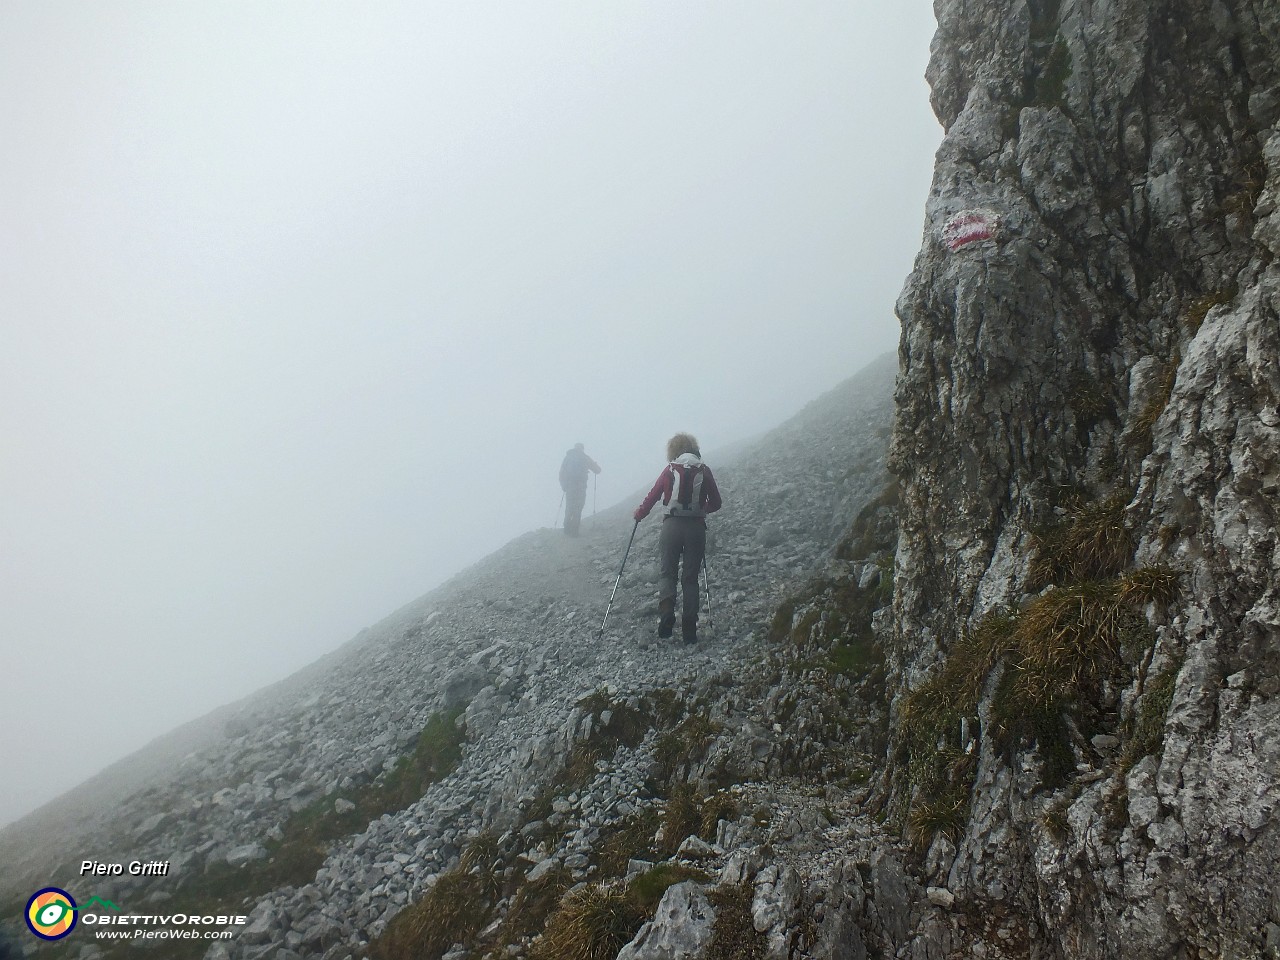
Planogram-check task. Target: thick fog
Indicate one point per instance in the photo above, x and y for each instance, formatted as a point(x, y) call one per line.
point(302, 303)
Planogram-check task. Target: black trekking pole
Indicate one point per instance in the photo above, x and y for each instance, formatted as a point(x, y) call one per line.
point(706, 582)
point(556, 523)
point(616, 582)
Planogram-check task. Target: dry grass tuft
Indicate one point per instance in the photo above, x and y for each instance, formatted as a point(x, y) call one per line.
point(934, 708)
point(945, 813)
point(717, 807)
point(1055, 817)
point(592, 923)
point(682, 818)
point(1248, 186)
point(627, 725)
point(453, 911)
point(1066, 638)
point(631, 839)
point(1093, 543)
point(483, 859)
point(1199, 308)
point(1145, 421)
point(648, 888)
point(1057, 657)
point(733, 934)
point(1057, 652)
point(1153, 711)
point(532, 904)
point(687, 741)
point(1159, 585)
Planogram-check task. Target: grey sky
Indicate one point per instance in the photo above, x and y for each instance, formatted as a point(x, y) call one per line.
point(302, 303)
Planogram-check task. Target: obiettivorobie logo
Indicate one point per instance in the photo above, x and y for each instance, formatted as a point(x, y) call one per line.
point(51, 912)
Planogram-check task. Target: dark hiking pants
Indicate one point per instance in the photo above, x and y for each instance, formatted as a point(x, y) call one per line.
point(574, 501)
point(681, 546)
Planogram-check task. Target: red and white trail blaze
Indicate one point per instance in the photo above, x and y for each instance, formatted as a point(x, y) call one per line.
point(969, 226)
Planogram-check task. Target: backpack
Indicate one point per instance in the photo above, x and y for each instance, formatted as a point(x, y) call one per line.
point(686, 490)
point(573, 470)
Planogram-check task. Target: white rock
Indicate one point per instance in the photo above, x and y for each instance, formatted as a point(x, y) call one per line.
point(680, 929)
point(542, 869)
point(239, 856)
point(940, 897)
point(695, 848)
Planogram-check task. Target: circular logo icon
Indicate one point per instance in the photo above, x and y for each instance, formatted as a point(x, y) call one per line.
point(51, 913)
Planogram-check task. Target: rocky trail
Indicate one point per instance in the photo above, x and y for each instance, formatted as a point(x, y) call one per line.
point(538, 734)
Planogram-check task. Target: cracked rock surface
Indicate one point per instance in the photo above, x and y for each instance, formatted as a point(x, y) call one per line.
point(1117, 333)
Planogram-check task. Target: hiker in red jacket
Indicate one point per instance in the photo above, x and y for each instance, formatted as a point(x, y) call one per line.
point(688, 493)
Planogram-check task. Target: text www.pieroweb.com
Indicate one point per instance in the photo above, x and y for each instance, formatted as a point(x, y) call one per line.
point(139, 933)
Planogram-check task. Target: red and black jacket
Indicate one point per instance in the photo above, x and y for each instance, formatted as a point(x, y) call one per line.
point(686, 488)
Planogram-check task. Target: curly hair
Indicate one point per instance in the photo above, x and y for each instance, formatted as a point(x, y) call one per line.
point(682, 443)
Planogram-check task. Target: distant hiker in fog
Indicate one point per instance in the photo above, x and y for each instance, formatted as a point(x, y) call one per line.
point(688, 492)
point(573, 481)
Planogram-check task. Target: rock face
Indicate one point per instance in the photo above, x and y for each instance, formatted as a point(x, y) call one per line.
point(1094, 313)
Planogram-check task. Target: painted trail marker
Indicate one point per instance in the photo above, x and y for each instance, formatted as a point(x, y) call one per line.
point(970, 226)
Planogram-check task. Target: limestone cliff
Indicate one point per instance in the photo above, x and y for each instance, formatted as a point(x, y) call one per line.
point(1091, 348)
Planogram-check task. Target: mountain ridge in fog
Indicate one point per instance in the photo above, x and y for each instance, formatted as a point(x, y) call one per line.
point(161, 761)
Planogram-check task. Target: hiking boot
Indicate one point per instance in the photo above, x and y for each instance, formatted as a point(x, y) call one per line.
point(666, 619)
point(689, 630)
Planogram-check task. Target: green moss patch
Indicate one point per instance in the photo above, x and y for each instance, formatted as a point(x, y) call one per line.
point(647, 888)
point(1153, 710)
